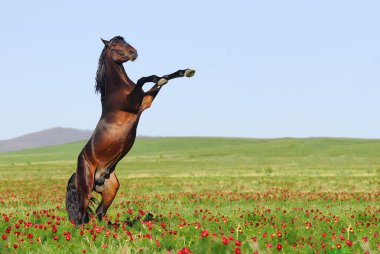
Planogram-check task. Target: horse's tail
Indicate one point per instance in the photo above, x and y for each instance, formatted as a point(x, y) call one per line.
point(73, 201)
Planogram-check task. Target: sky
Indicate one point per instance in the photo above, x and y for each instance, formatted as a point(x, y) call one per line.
point(264, 69)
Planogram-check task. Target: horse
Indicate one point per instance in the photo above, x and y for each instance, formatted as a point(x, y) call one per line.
point(123, 102)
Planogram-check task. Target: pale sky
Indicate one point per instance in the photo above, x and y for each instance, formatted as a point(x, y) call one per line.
point(264, 68)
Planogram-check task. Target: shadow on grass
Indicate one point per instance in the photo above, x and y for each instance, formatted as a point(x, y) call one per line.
point(132, 221)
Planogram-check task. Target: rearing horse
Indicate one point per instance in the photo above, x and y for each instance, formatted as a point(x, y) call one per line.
point(123, 101)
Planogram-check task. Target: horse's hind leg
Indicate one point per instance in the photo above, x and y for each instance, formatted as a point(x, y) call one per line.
point(108, 191)
point(85, 184)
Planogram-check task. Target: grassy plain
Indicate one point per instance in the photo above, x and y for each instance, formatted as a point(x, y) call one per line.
point(206, 195)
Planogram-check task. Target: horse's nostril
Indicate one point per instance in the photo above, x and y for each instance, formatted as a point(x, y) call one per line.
point(131, 52)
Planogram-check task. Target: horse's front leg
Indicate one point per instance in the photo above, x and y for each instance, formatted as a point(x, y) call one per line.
point(153, 79)
point(160, 81)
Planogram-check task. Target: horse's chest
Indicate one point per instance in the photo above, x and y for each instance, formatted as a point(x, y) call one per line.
point(118, 130)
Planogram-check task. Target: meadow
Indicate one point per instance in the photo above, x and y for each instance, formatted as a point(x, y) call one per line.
point(202, 195)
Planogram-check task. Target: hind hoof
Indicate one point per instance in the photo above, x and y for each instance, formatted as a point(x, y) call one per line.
point(189, 73)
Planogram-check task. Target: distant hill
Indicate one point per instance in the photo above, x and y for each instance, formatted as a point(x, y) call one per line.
point(53, 136)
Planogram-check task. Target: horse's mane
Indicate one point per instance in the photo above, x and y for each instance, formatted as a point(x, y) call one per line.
point(100, 85)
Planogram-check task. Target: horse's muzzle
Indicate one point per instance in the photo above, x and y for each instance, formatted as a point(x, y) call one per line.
point(132, 55)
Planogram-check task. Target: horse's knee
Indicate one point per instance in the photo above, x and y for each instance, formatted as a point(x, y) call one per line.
point(116, 184)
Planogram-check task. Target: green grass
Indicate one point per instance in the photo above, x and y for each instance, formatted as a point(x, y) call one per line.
point(229, 187)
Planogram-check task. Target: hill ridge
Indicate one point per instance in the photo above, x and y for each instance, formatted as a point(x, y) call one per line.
point(48, 137)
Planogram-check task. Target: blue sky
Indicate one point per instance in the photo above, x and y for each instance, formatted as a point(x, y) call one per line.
point(264, 68)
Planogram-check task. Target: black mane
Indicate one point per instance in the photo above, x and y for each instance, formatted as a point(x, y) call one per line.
point(100, 84)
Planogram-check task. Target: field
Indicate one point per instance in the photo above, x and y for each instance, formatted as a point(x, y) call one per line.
point(203, 195)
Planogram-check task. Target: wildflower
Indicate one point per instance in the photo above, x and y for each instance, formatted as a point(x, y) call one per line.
point(184, 250)
point(67, 235)
point(204, 233)
point(225, 240)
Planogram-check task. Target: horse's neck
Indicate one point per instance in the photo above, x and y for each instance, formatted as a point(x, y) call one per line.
point(116, 77)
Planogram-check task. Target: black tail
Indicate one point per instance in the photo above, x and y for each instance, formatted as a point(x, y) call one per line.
point(73, 201)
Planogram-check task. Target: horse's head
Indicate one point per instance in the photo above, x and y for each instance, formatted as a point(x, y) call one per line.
point(120, 50)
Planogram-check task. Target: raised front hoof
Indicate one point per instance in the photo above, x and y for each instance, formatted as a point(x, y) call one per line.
point(162, 82)
point(189, 73)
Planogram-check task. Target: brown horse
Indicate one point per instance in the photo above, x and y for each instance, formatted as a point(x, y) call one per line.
point(123, 101)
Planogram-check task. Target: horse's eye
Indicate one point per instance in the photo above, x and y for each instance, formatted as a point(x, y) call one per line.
point(118, 51)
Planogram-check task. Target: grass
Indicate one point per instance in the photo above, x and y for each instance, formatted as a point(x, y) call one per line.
point(206, 195)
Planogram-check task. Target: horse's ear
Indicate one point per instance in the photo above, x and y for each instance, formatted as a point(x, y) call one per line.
point(105, 42)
